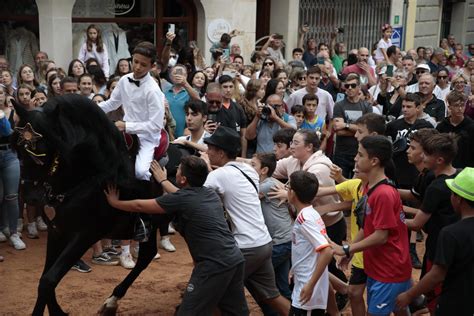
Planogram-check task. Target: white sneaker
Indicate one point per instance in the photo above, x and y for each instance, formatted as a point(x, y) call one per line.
point(3, 238)
point(134, 251)
point(126, 261)
point(40, 224)
point(32, 232)
point(19, 225)
point(6, 232)
point(166, 244)
point(157, 256)
point(171, 229)
point(16, 242)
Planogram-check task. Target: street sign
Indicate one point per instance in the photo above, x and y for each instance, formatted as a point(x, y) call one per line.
point(397, 35)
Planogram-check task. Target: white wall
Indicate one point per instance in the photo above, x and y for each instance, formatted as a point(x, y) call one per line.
point(55, 29)
point(428, 23)
point(240, 14)
point(284, 20)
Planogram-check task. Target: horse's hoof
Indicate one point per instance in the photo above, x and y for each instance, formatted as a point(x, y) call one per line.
point(109, 307)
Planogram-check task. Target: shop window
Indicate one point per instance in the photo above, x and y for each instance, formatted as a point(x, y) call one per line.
point(125, 23)
point(19, 35)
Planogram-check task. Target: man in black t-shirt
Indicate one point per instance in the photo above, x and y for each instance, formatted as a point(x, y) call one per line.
point(462, 126)
point(454, 260)
point(436, 210)
point(217, 277)
point(346, 113)
point(400, 131)
point(225, 112)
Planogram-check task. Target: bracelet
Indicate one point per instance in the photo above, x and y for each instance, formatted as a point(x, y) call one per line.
point(163, 181)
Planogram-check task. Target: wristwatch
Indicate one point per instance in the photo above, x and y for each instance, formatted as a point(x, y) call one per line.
point(347, 249)
point(348, 125)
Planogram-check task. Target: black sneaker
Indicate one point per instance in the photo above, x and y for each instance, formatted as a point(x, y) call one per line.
point(112, 251)
point(81, 266)
point(105, 260)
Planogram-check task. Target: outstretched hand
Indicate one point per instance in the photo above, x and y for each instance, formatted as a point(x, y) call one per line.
point(112, 194)
point(158, 172)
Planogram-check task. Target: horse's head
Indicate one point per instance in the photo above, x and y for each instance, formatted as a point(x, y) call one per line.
point(31, 138)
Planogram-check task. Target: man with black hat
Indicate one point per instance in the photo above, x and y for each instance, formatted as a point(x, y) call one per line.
point(237, 183)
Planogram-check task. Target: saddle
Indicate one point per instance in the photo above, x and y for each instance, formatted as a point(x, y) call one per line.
point(132, 143)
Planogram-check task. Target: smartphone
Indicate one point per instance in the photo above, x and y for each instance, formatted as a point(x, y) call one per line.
point(320, 60)
point(389, 71)
point(171, 28)
point(212, 117)
point(229, 73)
point(179, 71)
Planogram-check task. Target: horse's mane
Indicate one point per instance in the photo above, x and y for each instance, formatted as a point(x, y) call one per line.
point(90, 148)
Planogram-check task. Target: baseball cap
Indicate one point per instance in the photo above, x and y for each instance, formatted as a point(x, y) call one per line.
point(423, 66)
point(463, 184)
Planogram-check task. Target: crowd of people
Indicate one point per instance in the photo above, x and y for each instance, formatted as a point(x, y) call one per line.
point(295, 148)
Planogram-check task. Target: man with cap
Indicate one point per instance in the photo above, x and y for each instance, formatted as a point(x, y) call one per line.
point(420, 70)
point(454, 262)
point(237, 183)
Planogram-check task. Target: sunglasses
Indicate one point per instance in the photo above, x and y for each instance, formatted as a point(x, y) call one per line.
point(214, 102)
point(460, 82)
point(350, 85)
point(301, 78)
point(442, 77)
point(420, 72)
point(268, 64)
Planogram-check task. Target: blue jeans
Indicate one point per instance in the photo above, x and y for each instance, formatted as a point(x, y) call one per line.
point(281, 261)
point(9, 182)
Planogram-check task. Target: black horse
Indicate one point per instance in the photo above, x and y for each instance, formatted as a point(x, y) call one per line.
point(72, 147)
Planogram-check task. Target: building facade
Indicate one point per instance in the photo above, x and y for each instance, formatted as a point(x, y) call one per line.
point(58, 26)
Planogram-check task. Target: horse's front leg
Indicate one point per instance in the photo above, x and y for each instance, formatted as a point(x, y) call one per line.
point(54, 246)
point(75, 248)
point(145, 256)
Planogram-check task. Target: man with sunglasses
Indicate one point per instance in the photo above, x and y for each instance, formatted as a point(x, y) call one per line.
point(470, 50)
point(222, 111)
point(346, 113)
point(462, 126)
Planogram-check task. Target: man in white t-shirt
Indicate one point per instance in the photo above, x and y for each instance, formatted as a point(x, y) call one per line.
point(310, 251)
point(237, 183)
point(196, 116)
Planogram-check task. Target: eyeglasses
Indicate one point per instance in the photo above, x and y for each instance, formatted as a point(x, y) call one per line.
point(268, 64)
point(442, 77)
point(350, 85)
point(275, 105)
point(214, 102)
point(301, 78)
point(458, 104)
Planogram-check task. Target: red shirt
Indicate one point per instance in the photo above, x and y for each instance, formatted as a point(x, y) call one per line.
point(390, 262)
